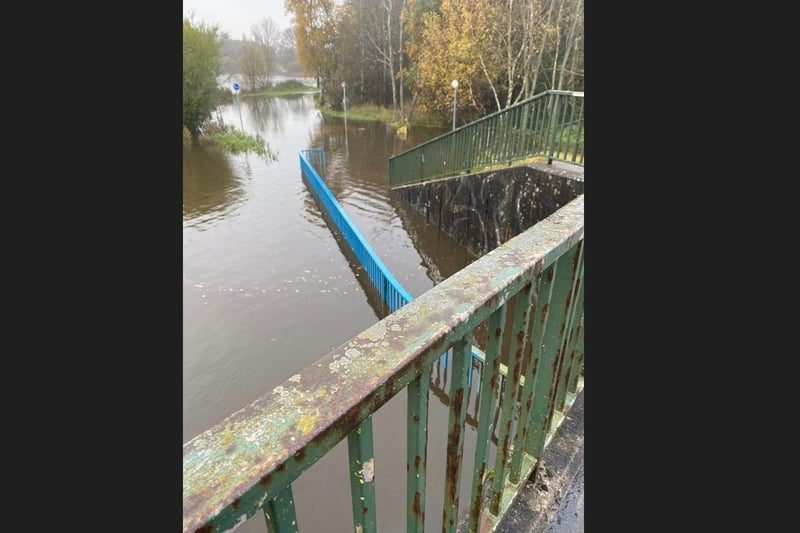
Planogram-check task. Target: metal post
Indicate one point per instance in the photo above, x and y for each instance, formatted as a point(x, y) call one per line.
point(241, 123)
point(344, 106)
point(455, 86)
point(235, 87)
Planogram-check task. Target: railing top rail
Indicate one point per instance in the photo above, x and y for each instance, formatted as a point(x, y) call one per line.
point(230, 470)
point(489, 116)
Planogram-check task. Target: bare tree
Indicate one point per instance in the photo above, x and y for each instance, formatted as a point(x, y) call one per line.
point(380, 24)
point(571, 41)
point(537, 29)
point(266, 36)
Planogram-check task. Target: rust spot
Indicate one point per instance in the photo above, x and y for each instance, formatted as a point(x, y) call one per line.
point(364, 510)
point(415, 505)
point(235, 503)
point(417, 461)
point(520, 336)
point(264, 481)
point(348, 421)
point(498, 332)
point(280, 468)
point(475, 508)
point(376, 402)
point(205, 529)
point(300, 455)
point(458, 397)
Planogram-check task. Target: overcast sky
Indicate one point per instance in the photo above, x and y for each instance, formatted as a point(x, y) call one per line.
point(236, 17)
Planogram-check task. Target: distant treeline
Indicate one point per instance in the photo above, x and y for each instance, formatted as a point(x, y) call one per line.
point(405, 53)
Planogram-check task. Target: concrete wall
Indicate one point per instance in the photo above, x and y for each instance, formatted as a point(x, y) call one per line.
point(482, 211)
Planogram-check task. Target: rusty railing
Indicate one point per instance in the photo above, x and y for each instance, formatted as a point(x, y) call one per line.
point(527, 295)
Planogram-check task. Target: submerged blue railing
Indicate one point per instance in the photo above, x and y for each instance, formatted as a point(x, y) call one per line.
point(529, 293)
point(392, 293)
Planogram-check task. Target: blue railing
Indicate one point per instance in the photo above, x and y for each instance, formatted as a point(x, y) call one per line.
point(390, 290)
point(529, 292)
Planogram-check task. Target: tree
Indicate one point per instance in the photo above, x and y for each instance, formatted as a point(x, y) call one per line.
point(379, 23)
point(201, 65)
point(286, 52)
point(251, 65)
point(449, 52)
point(315, 31)
point(266, 35)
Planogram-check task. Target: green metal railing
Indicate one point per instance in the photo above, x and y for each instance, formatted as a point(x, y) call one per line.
point(529, 291)
point(549, 125)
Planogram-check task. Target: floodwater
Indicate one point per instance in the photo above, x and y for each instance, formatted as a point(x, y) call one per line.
point(267, 289)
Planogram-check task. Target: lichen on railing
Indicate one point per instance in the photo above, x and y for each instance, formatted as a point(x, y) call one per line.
point(530, 290)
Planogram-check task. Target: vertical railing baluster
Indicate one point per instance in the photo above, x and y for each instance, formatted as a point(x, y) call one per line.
point(539, 124)
point(541, 303)
point(362, 477)
point(553, 127)
point(519, 113)
point(279, 512)
point(416, 461)
point(519, 330)
point(470, 147)
point(578, 135)
point(577, 361)
point(563, 273)
point(489, 389)
point(568, 347)
point(459, 396)
point(570, 137)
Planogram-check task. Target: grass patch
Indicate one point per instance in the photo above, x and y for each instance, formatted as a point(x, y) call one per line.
point(365, 112)
point(286, 88)
point(284, 91)
point(376, 113)
point(235, 142)
point(283, 88)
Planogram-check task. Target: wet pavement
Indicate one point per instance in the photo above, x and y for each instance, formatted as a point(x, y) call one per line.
point(552, 500)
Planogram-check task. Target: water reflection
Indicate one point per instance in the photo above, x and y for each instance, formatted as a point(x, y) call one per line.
point(441, 255)
point(270, 290)
point(210, 185)
point(263, 113)
point(358, 176)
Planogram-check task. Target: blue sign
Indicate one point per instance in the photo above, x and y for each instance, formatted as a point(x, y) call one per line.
point(235, 86)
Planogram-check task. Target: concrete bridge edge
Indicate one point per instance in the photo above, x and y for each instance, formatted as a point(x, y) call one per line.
point(552, 499)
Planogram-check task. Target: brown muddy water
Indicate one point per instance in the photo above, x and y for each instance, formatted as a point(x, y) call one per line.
point(267, 290)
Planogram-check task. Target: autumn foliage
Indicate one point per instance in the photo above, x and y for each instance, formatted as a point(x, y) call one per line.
point(404, 54)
